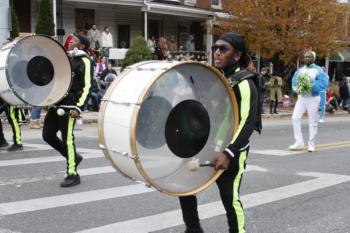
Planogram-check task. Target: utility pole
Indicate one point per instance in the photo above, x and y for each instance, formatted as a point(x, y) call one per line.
point(4, 20)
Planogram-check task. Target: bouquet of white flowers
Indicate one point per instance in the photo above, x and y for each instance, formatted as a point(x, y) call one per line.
point(304, 84)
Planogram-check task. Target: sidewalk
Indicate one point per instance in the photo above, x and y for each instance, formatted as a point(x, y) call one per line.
point(92, 117)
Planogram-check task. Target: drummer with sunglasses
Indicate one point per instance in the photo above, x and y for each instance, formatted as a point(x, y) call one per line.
point(230, 57)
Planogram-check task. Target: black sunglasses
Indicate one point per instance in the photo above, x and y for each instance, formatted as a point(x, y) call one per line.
point(223, 49)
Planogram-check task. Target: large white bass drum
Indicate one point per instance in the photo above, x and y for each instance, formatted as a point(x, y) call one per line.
point(34, 70)
point(158, 116)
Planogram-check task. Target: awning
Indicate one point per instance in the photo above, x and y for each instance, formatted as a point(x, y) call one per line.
point(177, 10)
point(342, 56)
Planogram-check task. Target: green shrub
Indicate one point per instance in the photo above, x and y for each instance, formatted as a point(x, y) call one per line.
point(138, 52)
point(14, 22)
point(44, 23)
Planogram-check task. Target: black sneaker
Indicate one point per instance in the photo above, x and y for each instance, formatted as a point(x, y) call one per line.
point(78, 159)
point(70, 180)
point(194, 230)
point(15, 147)
point(4, 144)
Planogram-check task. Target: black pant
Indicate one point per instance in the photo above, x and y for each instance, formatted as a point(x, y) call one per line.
point(229, 184)
point(12, 115)
point(54, 123)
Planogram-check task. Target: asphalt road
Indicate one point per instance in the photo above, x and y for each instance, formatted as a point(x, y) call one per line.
point(281, 191)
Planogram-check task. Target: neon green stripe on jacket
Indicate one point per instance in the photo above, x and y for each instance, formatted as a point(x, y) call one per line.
point(244, 89)
point(87, 82)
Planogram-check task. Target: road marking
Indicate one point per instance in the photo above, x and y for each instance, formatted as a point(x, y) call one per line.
point(82, 197)
point(88, 172)
point(56, 176)
point(213, 209)
point(319, 147)
point(274, 152)
point(87, 153)
point(71, 199)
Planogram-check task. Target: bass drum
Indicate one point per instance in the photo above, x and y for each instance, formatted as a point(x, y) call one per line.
point(34, 70)
point(157, 116)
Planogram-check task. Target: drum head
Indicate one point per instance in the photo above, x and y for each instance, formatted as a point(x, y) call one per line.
point(187, 113)
point(38, 70)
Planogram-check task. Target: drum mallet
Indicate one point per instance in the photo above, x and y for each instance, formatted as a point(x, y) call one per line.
point(62, 112)
point(194, 164)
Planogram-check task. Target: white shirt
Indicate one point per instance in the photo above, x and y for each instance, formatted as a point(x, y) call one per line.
point(106, 40)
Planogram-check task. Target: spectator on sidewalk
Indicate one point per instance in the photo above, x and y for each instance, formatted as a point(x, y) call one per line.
point(100, 66)
point(307, 82)
point(106, 41)
point(35, 118)
point(344, 92)
point(151, 44)
point(275, 84)
point(331, 101)
point(94, 36)
point(264, 77)
point(323, 95)
point(172, 44)
point(189, 45)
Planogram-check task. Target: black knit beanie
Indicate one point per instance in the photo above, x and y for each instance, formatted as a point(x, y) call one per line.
point(236, 40)
point(85, 41)
point(238, 43)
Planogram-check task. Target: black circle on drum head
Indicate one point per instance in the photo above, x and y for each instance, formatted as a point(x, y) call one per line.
point(40, 70)
point(187, 128)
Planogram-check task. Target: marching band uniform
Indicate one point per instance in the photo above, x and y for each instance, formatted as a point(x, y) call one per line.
point(13, 115)
point(76, 98)
point(237, 151)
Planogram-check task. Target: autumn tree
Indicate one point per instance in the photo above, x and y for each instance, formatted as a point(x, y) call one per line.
point(280, 30)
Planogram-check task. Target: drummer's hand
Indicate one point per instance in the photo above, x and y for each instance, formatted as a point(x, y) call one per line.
point(74, 113)
point(221, 162)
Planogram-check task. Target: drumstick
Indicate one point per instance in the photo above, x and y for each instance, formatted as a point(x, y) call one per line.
point(194, 164)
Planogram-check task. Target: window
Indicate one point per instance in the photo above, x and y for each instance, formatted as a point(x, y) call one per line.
point(216, 3)
point(123, 36)
point(84, 18)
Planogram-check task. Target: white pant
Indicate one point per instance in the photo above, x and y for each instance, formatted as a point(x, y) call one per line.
point(309, 104)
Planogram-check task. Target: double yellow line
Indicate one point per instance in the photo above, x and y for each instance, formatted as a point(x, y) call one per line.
point(328, 146)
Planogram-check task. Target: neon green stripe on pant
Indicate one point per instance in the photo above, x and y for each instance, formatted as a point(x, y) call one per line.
point(236, 201)
point(70, 147)
point(17, 133)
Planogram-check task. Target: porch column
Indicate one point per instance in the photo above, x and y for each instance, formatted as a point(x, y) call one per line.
point(326, 65)
point(209, 39)
point(54, 12)
point(145, 14)
point(4, 20)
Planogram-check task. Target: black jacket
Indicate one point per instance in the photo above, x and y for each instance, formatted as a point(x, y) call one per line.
point(82, 75)
point(247, 98)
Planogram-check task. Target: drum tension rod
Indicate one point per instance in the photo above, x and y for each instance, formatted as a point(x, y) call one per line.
point(125, 154)
point(123, 103)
